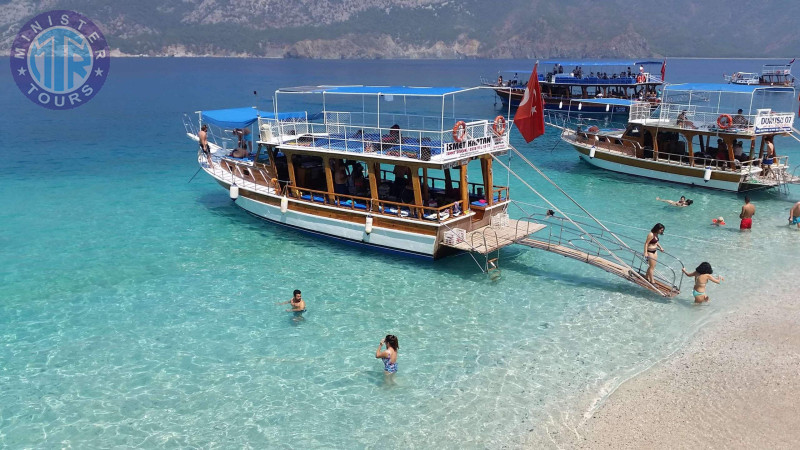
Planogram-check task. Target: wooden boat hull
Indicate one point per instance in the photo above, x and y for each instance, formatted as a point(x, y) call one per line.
point(693, 176)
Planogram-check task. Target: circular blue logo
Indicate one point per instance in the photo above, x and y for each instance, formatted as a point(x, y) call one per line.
point(60, 59)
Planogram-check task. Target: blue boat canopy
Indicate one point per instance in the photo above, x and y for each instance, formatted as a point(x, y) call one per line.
point(724, 88)
point(244, 117)
point(378, 90)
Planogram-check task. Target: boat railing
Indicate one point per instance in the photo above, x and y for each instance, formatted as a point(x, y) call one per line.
point(776, 69)
point(438, 214)
point(599, 242)
point(688, 117)
point(471, 138)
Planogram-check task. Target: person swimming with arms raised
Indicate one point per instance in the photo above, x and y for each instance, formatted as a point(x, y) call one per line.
point(701, 275)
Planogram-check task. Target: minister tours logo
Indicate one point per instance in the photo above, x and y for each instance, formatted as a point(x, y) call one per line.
point(60, 59)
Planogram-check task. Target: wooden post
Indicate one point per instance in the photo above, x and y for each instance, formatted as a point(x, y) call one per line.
point(489, 182)
point(326, 160)
point(689, 138)
point(290, 165)
point(425, 194)
point(655, 147)
point(761, 150)
point(752, 148)
point(374, 173)
point(464, 188)
point(417, 191)
point(729, 145)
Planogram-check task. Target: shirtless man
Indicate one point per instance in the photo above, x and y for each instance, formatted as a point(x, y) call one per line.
point(203, 135)
point(748, 211)
point(297, 302)
point(794, 215)
point(339, 178)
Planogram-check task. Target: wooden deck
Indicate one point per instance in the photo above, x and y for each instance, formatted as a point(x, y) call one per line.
point(485, 240)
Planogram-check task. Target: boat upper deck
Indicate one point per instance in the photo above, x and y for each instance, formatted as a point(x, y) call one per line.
point(378, 125)
point(707, 108)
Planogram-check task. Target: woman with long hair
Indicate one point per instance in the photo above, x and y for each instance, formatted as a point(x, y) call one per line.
point(389, 355)
point(651, 247)
point(701, 276)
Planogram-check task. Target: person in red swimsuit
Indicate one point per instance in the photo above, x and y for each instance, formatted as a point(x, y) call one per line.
point(748, 211)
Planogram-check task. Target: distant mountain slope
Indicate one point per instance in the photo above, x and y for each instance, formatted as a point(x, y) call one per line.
point(432, 28)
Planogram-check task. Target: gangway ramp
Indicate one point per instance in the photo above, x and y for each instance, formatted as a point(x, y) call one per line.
point(660, 287)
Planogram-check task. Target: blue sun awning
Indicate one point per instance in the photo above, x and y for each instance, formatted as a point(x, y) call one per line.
point(244, 117)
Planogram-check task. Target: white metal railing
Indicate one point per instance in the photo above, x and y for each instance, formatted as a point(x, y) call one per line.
point(342, 132)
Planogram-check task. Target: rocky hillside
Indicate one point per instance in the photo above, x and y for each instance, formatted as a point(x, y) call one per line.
point(431, 28)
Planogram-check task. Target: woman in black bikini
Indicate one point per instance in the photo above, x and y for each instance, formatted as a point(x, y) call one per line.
point(651, 247)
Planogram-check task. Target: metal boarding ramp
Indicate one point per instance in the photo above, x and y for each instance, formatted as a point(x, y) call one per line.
point(591, 243)
point(586, 243)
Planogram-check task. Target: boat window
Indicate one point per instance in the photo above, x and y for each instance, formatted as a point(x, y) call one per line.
point(308, 172)
point(633, 131)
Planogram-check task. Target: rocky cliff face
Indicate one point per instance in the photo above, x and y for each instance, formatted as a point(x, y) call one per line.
point(428, 28)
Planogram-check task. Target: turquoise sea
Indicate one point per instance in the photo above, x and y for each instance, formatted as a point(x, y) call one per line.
point(138, 309)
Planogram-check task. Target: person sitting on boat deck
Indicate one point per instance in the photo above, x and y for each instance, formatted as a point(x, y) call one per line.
point(401, 176)
point(356, 183)
point(560, 68)
point(680, 203)
point(238, 153)
point(515, 80)
point(394, 135)
point(629, 72)
point(769, 158)
point(738, 152)
point(701, 275)
point(499, 80)
point(339, 177)
point(407, 193)
point(683, 122)
point(242, 134)
point(739, 120)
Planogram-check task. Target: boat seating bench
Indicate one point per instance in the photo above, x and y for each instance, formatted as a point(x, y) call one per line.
point(349, 203)
point(316, 198)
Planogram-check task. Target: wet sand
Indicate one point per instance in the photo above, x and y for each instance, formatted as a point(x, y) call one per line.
point(736, 384)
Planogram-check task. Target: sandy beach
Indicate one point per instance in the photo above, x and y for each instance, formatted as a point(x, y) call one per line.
point(736, 384)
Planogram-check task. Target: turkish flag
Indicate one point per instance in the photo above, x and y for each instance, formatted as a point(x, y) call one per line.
point(663, 69)
point(529, 118)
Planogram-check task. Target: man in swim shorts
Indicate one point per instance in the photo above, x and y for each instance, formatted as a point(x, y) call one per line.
point(748, 211)
point(794, 215)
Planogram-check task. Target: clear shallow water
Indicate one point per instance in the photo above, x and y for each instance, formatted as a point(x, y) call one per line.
point(137, 309)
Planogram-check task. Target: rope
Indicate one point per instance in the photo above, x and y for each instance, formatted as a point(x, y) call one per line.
point(708, 242)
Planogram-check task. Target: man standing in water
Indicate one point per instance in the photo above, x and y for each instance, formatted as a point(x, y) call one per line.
point(748, 211)
point(794, 215)
point(298, 304)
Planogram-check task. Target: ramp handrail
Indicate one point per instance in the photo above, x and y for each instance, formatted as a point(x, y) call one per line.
point(587, 238)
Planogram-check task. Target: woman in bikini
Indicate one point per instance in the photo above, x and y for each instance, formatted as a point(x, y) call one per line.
point(651, 247)
point(701, 277)
point(389, 356)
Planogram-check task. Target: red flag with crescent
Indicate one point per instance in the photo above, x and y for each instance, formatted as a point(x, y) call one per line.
point(529, 118)
point(664, 70)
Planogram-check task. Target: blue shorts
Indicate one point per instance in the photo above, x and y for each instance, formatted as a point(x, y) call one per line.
point(796, 220)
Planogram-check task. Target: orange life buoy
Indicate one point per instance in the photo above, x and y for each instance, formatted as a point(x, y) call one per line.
point(728, 121)
point(641, 78)
point(459, 131)
point(499, 126)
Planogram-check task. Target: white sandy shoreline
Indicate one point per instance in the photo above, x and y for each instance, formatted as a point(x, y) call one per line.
point(736, 384)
